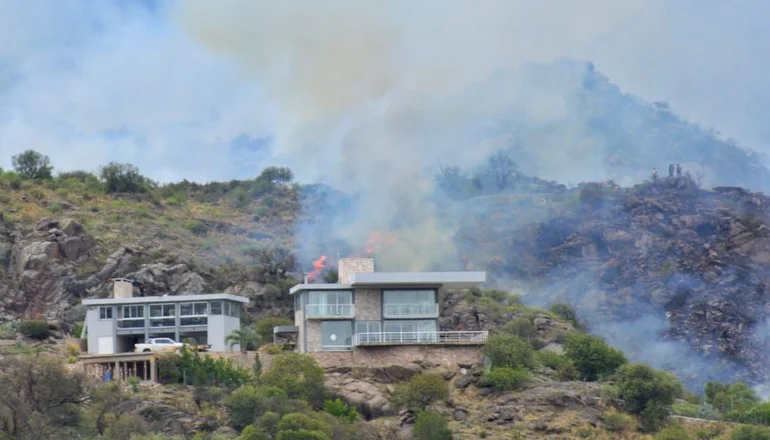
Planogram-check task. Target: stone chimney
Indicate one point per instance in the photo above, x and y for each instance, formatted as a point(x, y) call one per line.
point(122, 288)
point(349, 266)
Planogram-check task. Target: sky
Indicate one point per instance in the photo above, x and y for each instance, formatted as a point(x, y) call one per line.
point(214, 90)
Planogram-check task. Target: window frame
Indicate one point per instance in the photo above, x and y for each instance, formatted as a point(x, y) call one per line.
point(102, 316)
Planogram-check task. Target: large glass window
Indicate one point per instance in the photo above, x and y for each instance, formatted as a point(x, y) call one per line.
point(193, 314)
point(162, 315)
point(131, 317)
point(330, 303)
point(336, 335)
point(234, 310)
point(216, 307)
point(105, 312)
point(421, 296)
point(414, 331)
point(368, 326)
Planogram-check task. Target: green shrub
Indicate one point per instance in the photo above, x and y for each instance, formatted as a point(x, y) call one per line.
point(734, 397)
point(133, 382)
point(421, 390)
point(253, 432)
point(340, 409)
point(31, 165)
point(509, 351)
point(35, 329)
point(194, 369)
point(673, 432)
point(523, 328)
point(567, 372)
point(299, 375)
point(247, 403)
point(592, 357)
point(430, 425)
point(303, 434)
point(710, 432)
point(618, 422)
point(505, 378)
point(122, 178)
point(265, 326)
point(750, 433)
point(648, 393)
point(196, 227)
point(551, 359)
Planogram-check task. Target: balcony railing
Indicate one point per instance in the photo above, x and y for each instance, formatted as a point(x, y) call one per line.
point(420, 338)
point(425, 310)
point(330, 311)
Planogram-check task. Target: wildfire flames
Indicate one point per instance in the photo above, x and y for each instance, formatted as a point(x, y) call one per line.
point(318, 267)
point(377, 239)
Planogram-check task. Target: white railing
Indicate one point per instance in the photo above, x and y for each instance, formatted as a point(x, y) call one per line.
point(425, 310)
point(330, 311)
point(419, 338)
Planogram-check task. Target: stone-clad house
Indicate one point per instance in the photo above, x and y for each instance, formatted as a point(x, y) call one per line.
point(376, 309)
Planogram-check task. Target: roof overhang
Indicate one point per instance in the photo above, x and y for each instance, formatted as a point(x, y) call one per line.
point(166, 299)
point(447, 280)
point(285, 329)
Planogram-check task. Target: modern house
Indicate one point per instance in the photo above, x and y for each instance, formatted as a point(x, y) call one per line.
point(367, 308)
point(114, 325)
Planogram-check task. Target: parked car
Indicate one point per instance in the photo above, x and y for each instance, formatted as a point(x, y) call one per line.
point(166, 345)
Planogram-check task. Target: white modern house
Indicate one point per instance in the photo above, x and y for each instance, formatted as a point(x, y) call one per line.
point(367, 308)
point(114, 325)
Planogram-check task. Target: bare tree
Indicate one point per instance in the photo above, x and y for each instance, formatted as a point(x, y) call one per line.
point(502, 169)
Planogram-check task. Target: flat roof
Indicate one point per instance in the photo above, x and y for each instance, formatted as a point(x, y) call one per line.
point(165, 299)
point(452, 280)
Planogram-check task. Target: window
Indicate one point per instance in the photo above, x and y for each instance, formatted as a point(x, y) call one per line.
point(162, 315)
point(131, 317)
point(414, 331)
point(235, 310)
point(422, 296)
point(193, 313)
point(331, 297)
point(216, 307)
point(105, 312)
point(330, 303)
point(368, 326)
point(336, 335)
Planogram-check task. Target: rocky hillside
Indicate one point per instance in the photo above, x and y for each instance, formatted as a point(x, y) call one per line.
point(674, 274)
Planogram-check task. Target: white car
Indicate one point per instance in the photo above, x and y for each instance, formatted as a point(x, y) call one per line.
point(159, 345)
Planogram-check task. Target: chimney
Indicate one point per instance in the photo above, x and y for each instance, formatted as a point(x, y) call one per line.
point(305, 277)
point(350, 266)
point(122, 288)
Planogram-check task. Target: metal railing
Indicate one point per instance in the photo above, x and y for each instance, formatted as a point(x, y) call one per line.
point(419, 338)
point(424, 310)
point(330, 311)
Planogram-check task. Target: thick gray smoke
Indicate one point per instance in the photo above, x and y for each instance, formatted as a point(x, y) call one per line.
point(355, 86)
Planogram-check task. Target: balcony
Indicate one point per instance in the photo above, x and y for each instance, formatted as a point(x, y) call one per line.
point(419, 338)
point(330, 311)
point(407, 311)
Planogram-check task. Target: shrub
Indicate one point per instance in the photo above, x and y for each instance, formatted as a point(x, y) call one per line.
point(31, 165)
point(551, 359)
point(340, 409)
point(35, 329)
point(648, 393)
point(430, 425)
point(196, 227)
point(421, 390)
point(72, 347)
point(299, 375)
point(252, 432)
point(673, 432)
point(710, 432)
point(265, 326)
point(299, 422)
point(194, 369)
point(302, 434)
point(247, 403)
point(750, 433)
point(567, 372)
point(567, 313)
point(122, 178)
point(133, 382)
point(592, 357)
point(737, 396)
point(618, 422)
point(509, 351)
point(505, 378)
point(523, 328)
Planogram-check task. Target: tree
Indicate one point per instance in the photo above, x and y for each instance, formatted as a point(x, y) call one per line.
point(421, 390)
point(733, 397)
point(39, 397)
point(509, 351)
point(430, 425)
point(122, 178)
point(501, 168)
point(299, 375)
point(647, 392)
point(276, 175)
point(266, 325)
point(32, 165)
point(332, 276)
point(245, 337)
point(592, 357)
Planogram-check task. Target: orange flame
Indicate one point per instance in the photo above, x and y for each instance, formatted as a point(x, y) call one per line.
point(378, 238)
point(318, 266)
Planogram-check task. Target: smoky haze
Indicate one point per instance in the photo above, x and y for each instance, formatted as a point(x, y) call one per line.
point(349, 77)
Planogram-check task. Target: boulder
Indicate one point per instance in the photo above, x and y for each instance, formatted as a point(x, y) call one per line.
point(367, 397)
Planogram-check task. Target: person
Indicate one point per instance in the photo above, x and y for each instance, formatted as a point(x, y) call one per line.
point(671, 170)
point(678, 170)
point(108, 375)
point(654, 174)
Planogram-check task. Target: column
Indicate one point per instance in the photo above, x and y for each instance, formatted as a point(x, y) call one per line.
point(153, 370)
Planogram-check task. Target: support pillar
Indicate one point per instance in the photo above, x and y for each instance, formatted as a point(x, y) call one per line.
point(153, 370)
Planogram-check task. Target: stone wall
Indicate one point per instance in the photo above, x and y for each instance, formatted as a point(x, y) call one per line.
point(368, 304)
point(370, 357)
point(314, 337)
point(349, 266)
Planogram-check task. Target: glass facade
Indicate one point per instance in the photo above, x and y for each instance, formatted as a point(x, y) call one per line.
point(330, 303)
point(162, 315)
point(421, 296)
point(336, 335)
point(131, 316)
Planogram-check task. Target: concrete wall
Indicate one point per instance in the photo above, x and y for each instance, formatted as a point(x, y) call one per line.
point(299, 322)
point(97, 328)
point(368, 304)
point(349, 266)
point(219, 327)
point(314, 339)
point(370, 357)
